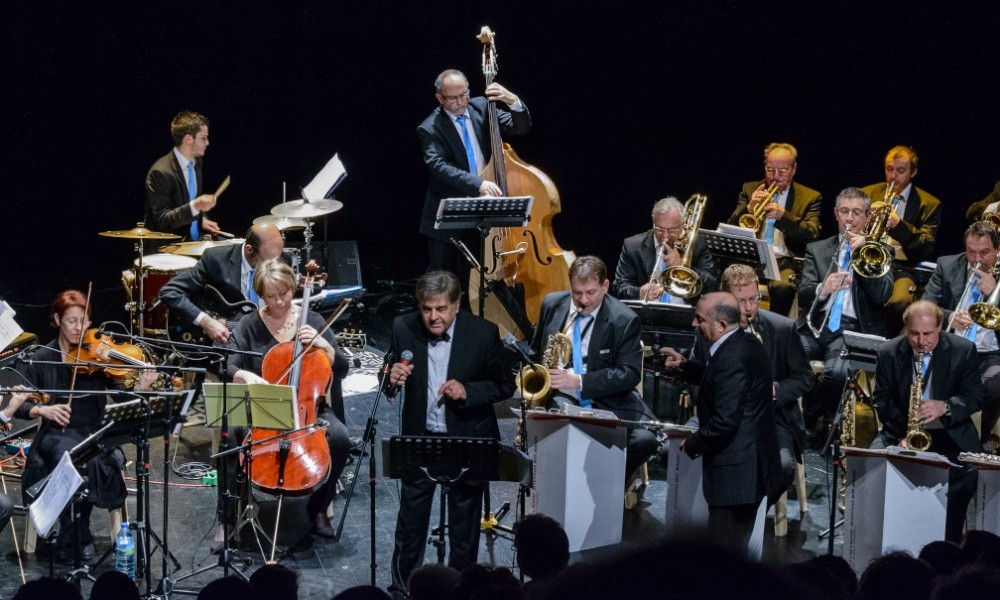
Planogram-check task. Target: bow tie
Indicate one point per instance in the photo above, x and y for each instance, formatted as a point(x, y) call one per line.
point(435, 339)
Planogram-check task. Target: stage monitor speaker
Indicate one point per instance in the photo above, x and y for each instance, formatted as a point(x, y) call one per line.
point(342, 264)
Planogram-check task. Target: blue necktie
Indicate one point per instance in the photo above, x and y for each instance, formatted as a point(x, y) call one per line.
point(578, 357)
point(470, 154)
point(970, 333)
point(926, 365)
point(251, 293)
point(769, 231)
point(192, 194)
point(838, 302)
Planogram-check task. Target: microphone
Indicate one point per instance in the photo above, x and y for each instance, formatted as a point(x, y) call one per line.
point(510, 342)
point(387, 362)
point(404, 359)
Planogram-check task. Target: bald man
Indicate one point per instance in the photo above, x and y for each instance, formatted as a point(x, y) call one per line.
point(736, 433)
point(228, 269)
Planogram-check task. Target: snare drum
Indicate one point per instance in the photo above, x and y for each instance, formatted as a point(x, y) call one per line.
point(157, 269)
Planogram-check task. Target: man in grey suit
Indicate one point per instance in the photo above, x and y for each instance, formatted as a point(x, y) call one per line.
point(455, 144)
point(649, 253)
point(832, 299)
point(736, 435)
point(952, 391)
point(791, 219)
point(605, 372)
point(968, 278)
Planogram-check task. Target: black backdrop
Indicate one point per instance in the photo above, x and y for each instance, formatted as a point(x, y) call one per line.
point(631, 102)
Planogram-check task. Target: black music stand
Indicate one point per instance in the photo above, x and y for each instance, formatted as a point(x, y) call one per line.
point(732, 248)
point(444, 460)
point(483, 214)
point(664, 325)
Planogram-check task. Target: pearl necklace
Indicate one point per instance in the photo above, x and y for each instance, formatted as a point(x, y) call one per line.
point(279, 328)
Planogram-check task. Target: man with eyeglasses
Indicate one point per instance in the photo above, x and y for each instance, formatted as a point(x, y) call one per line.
point(646, 254)
point(790, 373)
point(832, 299)
point(455, 144)
point(912, 226)
point(791, 218)
point(949, 286)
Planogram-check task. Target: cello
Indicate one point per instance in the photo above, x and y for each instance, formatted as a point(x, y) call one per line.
point(528, 259)
point(297, 463)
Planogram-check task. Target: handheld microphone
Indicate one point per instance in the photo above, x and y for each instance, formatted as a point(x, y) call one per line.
point(404, 359)
point(511, 343)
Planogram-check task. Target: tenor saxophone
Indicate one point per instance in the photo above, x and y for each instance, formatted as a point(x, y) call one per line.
point(536, 381)
point(916, 437)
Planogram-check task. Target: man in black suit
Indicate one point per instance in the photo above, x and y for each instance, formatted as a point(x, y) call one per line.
point(455, 144)
point(952, 391)
point(458, 371)
point(790, 373)
point(652, 251)
point(968, 278)
point(608, 367)
point(912, 227)
point(791, 217)
point(736, 435)
point(174, 202)
point(230, 270)
point(833, 299)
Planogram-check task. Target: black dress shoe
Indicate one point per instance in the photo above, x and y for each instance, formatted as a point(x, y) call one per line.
point(322, 526)
point(87, 553)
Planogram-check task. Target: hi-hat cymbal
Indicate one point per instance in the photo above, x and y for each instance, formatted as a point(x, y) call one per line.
point(306, 209)
point(194, 249)
point(140, 233)
point(282, 223)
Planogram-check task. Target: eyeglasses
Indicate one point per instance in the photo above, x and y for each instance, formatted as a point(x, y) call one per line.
point(857, 212)
point(781, 171)
point(749, 301)
point(464, 94)
point(73, 321)
point(668, 230)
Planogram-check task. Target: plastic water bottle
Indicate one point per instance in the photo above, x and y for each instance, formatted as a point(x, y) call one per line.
point(125, 552)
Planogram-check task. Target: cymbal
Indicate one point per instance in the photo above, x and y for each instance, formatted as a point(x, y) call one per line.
point(282, 223)
point(195, 249)
point(140, 233)
point(307, 209)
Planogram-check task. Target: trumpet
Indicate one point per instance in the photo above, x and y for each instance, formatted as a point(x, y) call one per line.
point(683, 281)
point(872, 259)
point(834, 264)
point(754, 219)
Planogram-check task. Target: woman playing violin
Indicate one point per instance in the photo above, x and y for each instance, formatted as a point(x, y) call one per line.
point(276, 322)
point(68, 420)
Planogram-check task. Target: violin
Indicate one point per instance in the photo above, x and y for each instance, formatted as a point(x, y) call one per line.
point(106, 354)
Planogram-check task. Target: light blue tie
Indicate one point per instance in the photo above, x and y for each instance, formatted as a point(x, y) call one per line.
point(251, 293)
point(838, 301)
point(470, 154)
point(192, 194)
point(970, 333)
point(769, 231)
point(578, 356)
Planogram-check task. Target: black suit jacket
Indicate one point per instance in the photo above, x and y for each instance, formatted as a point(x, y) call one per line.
point(954, 378)
point(736, 433)
point(638, 259)
point(478, 361)
point(917, 229)
point(219, 267)
point(789, 368)
point(800, 223)
point(444, 154)
point(947, 284)
point(869, 295)
point(614, 355)
point(976, 209)
point(167, 199)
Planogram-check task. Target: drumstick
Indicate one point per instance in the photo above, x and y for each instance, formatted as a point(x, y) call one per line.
point(222, 187)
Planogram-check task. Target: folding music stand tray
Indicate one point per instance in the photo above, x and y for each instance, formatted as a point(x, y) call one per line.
point(732, 248)
point(444, 460)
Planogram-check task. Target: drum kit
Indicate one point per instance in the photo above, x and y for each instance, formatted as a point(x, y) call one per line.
point(149, 273)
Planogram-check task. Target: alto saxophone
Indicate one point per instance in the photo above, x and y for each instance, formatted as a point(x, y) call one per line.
point(916, 437)
point(535, 381)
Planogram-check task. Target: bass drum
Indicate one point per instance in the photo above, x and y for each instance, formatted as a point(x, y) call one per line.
point(157, 270)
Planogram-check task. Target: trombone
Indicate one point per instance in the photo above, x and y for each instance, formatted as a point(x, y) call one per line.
point(683, 281)
point(834, 264)
point(754, 219)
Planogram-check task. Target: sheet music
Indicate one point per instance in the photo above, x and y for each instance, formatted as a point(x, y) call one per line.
point(9, 329)
point(62, 484)
point(737, 231)
point(326, 180)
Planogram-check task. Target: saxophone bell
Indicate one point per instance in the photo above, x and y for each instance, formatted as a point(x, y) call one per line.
point(917, 437)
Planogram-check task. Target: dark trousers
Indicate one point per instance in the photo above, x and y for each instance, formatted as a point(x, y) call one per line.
point(782, 291)
point(465, 502)
point(989, 366)
point(824, 399)
point(731, 526)
point(786, 450)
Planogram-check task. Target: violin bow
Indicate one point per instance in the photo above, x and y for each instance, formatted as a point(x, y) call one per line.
point(79, 346)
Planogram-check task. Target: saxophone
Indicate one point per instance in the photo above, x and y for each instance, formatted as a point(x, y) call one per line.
point(916, 437)
point(534, 381)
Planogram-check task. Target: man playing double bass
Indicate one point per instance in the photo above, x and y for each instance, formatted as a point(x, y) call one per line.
point(455, 144)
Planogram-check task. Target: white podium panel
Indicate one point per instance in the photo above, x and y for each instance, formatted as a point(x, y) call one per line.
point(987, 491)
point(579, 477)
point(896, 500)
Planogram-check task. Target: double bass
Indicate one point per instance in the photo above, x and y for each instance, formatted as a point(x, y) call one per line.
point(527, 259)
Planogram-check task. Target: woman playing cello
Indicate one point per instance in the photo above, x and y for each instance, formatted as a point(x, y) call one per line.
point(276, 322)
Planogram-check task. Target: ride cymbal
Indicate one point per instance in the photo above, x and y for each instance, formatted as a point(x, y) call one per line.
point(139, 232)
point(282, 223)
point(306, 209)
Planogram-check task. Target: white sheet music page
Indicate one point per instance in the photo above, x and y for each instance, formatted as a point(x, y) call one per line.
point(9, 329)
point(326, 180)
point(62, 484)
